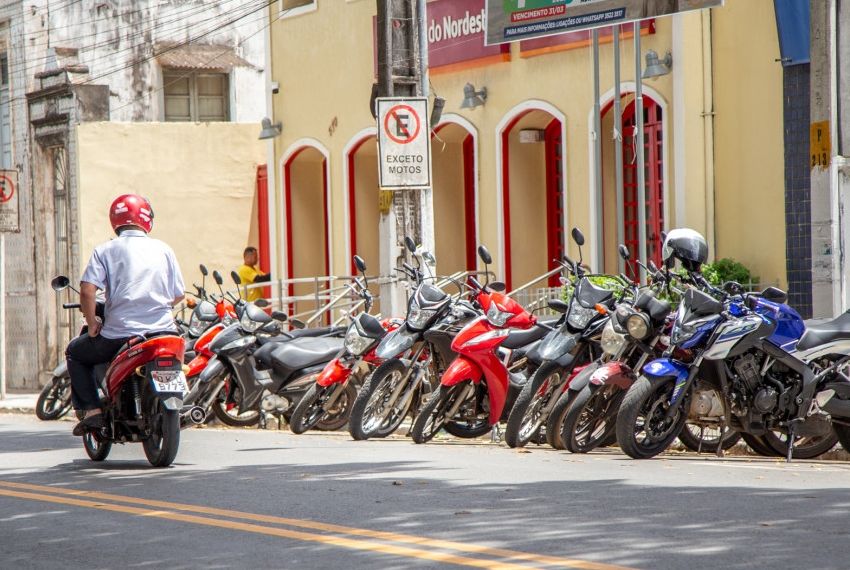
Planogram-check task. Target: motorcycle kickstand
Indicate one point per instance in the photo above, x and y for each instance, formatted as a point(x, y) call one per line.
point(701, 435)
point(720, 451)
point(263, 422)
point(792, 430)
point(496, 433)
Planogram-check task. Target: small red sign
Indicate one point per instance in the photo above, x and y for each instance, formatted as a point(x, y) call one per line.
point(7, 189)
point(402, 124)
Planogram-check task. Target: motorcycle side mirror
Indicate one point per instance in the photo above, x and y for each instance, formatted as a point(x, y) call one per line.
point(279, 316)
point(60, 282)
point(204, 270)
point(624, 252)
point(236, 278)
point(218, 279)
point(498, 286)
point(408, 243)
point(429, 258)
point(484, 254)
point(774, 295)
point(578, 237)
point(261, 303)
point(297, 324)
point(360, 264)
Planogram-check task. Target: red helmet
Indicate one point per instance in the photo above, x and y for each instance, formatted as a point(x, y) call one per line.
point(131, 210)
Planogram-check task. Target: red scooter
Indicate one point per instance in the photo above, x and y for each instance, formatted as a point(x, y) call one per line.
point(475, 387)
point(143, 390)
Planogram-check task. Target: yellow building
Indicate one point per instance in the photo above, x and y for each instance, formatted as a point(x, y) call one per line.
point(516, 173)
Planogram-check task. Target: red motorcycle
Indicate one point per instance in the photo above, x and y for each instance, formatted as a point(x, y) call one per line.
point(331, 397)
point(476, 386)
point(142, 394)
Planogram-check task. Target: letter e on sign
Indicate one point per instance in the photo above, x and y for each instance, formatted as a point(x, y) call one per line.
point(404, 143)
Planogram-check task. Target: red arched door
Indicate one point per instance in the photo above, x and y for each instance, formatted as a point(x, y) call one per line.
point(654, 179)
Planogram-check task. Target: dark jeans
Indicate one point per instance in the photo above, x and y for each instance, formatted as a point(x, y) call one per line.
point(83, 354)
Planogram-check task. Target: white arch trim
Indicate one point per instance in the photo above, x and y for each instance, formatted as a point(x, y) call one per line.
point(353, 142)
point(521, 109)
point(291, 151)
point(628, 87)
point(465, 124)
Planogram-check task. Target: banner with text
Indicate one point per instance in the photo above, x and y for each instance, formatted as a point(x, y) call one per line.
point(512, 20)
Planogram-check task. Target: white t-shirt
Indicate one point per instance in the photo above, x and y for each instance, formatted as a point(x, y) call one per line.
point(141, 279)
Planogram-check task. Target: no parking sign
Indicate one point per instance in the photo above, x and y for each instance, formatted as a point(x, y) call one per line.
point(404, 143)
point(9, 201)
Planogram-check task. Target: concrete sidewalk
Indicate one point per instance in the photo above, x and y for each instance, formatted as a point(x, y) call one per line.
point(18, 403)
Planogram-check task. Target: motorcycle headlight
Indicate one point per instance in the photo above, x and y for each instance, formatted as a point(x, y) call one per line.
point(496, 316)
point(612, 342)
point(354, 343)
point(638, 326)
point(580, 316)
point(247, 324)
point(418, 318)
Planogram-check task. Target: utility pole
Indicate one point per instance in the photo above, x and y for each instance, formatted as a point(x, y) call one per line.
point(403, 72)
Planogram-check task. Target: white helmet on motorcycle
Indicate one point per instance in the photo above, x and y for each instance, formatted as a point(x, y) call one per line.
point(686, 245)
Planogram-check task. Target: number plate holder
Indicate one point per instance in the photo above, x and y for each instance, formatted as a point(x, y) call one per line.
point(169, 381)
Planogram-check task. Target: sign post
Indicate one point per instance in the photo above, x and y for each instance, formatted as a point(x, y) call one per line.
point(404, 143)
point(9, 222)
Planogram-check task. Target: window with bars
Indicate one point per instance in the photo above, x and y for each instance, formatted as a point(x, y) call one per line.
point(195, 96)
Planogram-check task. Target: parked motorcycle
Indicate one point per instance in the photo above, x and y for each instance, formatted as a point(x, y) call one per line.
point(754, 351)
point(474, 389)
point(330, 399)
point(143, 390)
point(54, 401)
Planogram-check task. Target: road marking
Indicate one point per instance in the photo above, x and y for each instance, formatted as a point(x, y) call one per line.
point(171, 512)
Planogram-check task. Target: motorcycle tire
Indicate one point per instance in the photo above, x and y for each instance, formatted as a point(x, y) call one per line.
point(522, 426)
point(691, 440)
point(384, 377)
point(757, 444)
point(96, 447)
point(220, 410)
point(161, 446)
point(843, 434)
point(585, 408)
point(309, 412)
point(54, 400)
point(648, 397)
point(432, 416)
point(556, 418)
point(464, 430)
point(809, 449)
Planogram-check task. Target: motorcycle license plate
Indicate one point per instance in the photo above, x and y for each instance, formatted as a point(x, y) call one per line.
point(169, 381)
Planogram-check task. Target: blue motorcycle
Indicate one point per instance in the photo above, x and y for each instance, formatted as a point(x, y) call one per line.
point(773, 375)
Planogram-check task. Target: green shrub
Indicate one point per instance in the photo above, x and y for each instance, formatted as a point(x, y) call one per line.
point(727, 269)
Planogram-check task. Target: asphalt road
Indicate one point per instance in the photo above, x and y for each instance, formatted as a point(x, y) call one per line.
point(268, 499)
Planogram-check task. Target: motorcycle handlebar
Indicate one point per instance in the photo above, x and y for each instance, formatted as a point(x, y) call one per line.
point(70, 305)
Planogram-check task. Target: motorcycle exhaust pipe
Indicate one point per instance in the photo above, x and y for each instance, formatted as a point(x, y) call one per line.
point(195, 414)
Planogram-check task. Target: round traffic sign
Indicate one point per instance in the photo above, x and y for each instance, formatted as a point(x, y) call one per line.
point(7, 188)
point(402, 124)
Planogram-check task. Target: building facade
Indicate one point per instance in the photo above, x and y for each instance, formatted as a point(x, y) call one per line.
point(516, 173)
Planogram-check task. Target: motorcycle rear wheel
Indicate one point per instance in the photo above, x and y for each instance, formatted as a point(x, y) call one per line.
point(527, 416)
point(805, 448)
point(96, 447)
point(555, 422)
point(161, 446)
point(54, 400)
point(593, 408)
point(643, 412)
point(757, 444)
point(362, 424)
point(690, 438)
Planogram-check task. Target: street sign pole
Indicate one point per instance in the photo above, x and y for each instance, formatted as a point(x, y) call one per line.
point(597, 157)
point(618, 146)
point(639, 147)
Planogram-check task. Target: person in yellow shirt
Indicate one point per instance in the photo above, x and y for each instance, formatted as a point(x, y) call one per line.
point(250, 274)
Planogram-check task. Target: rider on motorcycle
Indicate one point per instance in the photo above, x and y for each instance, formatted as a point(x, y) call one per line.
point(142, 281)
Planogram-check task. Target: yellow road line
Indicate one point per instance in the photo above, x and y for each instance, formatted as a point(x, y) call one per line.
point(313, 525)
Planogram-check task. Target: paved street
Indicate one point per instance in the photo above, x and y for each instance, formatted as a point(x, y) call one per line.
point(263, 499)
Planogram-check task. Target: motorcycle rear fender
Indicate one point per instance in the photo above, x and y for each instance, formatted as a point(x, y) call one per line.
point(61, 371)
point(174, 403)
point(614, 374)
point(334, 372)
point(197, 365)
point(582, 377)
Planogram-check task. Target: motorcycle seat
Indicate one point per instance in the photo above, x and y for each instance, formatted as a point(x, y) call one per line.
point(299, 353)
point(138, 339)
point(521, 338)
point(823, 333)
point(301, 333)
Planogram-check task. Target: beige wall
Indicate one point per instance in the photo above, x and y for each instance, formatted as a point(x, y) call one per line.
point(449, 208)
point(749, 148)
point(366, 199)
point(200, 179)
point(309, 103)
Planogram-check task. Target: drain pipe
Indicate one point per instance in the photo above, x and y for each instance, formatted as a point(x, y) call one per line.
point(708, 131)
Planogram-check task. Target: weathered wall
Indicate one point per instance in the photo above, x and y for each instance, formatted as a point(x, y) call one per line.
point(202, 190)
point(449, 221)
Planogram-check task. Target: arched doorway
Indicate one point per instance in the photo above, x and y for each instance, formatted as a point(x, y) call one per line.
point(654, 170)
point(533, 169)
point(453, 148)
point(361, 161)
point(305, 203)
